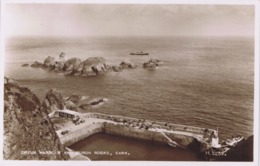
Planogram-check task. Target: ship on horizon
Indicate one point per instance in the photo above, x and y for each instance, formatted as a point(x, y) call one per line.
point(139, 53)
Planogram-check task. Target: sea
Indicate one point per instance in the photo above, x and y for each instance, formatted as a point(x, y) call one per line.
point(203, 81)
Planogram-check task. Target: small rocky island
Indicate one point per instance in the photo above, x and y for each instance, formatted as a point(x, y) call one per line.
point(92, 66)
point(152, 64)
point(74, 66)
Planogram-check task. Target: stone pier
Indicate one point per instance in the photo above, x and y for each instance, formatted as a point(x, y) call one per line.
point(181, 135)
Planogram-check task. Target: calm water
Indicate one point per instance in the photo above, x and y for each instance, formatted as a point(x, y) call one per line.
point(206, 82)
point(121, 148)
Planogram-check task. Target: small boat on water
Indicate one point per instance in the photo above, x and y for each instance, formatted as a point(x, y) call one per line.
point(139, 53)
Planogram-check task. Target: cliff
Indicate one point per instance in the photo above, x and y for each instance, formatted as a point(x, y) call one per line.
point(243, 152)
point(28, 131)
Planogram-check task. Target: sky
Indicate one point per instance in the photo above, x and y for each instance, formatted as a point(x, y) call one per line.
point(72, 20)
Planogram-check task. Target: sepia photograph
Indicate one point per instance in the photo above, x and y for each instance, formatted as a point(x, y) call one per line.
point(167, 82)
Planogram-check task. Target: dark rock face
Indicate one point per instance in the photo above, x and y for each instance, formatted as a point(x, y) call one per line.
point(27, 127)
point(243, 151)
point(53, 101)
point(152, 64)
point(72, 102)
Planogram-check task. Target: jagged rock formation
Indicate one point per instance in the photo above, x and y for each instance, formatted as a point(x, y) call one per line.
point(152, 64)
point(37, 64)
point(73, 101)
point(74, 66)
point(90, 67)
point(62, 57)
point(49, 62)
point(93, 102)
point(28, 131)
point(94, 66)
point(53, 101)
point(124, 65)
point(127, 65)
point(71, 65)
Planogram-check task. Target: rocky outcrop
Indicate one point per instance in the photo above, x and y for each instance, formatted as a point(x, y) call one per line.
point(53, 101)
point(70, 105)
point(127, 65)
point(37, 64)
point(58, 66)
point(123, 65)
point(28, 131)
point(62, 57)
point(71, 65)
point(74, 98)
point(243, 151)
point(72, 102)
point(25, 65)
point(152, 64)
point(92, 103)
point(49, 62)
point(94, 66)
point(74, 66)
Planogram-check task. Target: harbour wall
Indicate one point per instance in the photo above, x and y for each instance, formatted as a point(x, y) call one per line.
point(121, 130)
point(162, 125)
point(82, 133)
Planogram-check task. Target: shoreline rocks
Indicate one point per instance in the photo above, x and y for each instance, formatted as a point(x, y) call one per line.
point(27, 127)
point(93, 103)
point(152, 64)
point(53, 101)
